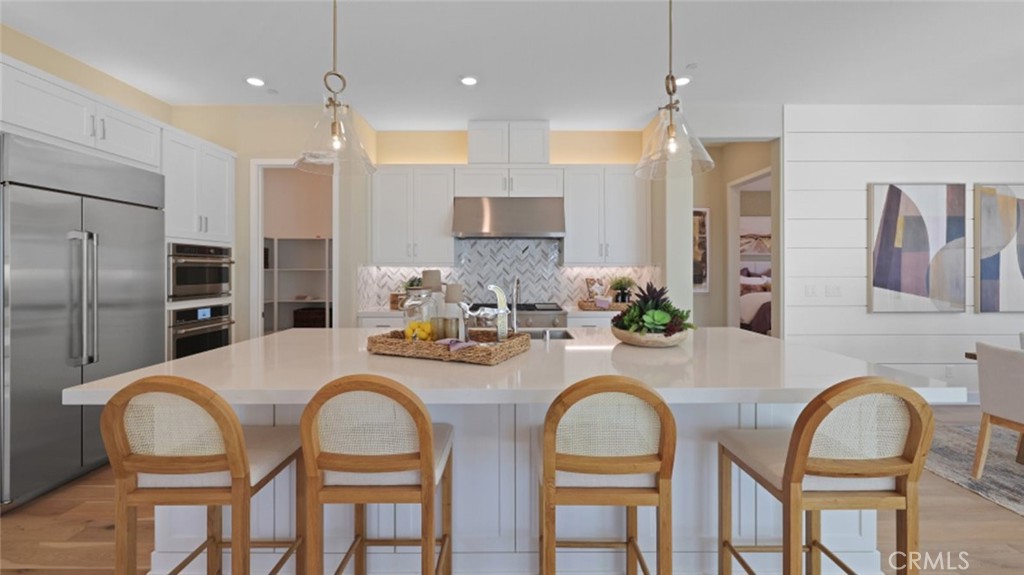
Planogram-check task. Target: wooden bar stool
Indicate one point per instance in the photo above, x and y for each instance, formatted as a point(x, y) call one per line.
point(860, 444)
point(608, 440)
point(172, 441)
point(369, 439)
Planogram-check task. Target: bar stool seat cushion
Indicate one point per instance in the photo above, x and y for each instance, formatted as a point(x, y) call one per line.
point(266, 446)
point(442, 450)
point(765, 451)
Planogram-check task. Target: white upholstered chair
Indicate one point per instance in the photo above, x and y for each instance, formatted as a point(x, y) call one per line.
point(369, 439)
point(1001, 384)
point(860, 444)
point(172, 441)
point(610, 441)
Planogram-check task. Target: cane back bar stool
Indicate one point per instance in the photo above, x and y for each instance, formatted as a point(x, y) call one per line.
point(369, 439)
point(173, 441)
point(859, 445)
point(608, 440)
point(1002, 397)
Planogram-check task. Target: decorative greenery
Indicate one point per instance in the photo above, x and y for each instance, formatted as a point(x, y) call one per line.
point(652, 312)
point(413, 282)
point(622, 283)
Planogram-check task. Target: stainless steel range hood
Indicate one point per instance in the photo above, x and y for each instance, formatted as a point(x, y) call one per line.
point(509, 218)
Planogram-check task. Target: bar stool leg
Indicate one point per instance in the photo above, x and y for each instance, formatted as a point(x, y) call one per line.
point(724, 512)
point(813, 535)
point(547, 551)
point(360, 523)
point(540, 528)
point(314, 528)
point(427, 531)
point(631, 529)
point(301, 565)
point(125, 526)
point(792, 531)
point(906, 527)
point(446, 513)
point(240, 527)
point(664, 527)
point(214, 534)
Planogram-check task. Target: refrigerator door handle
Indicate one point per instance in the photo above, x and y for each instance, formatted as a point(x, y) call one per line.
point(78, 357)
point(94, 304)
point(5, 389)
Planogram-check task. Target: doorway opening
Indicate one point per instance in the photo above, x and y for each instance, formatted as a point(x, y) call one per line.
point(751, 294)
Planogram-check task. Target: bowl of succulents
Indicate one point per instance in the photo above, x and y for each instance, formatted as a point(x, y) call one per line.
point(651, 320)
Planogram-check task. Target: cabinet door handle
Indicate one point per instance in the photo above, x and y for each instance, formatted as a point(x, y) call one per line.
point(504, 184)
point(200, 224)
point(511, 183)
point(103, 128)
point(92, 121)
point(206, 224)
point(415, 250)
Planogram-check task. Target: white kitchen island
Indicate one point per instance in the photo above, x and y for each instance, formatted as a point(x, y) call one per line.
point(719, 378)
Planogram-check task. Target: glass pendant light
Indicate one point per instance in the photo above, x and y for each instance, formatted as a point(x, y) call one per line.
point(334, 138)
point(673, 136)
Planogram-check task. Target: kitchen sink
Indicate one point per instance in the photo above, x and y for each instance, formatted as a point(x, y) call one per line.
point(555, 334)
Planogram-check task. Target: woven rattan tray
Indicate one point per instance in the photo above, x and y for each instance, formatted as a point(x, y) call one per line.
point(493, 353)
point(589, 305)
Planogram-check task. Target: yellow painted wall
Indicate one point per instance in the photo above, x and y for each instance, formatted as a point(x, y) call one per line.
point(35, 53)
point(596, 147)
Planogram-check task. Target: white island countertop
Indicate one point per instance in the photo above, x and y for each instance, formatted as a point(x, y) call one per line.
point(714, 365)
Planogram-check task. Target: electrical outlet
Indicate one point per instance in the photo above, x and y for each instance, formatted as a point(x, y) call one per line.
point(810, 291)
point(949, 374)
point(833, 291)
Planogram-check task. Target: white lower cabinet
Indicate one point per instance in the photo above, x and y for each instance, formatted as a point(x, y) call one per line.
point(607, 217)
point(396, 322)
point(411, 216)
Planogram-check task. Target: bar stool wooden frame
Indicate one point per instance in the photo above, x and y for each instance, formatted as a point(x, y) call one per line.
point(796, 502)
point(317, 462)
point(660, 464)
point(129, 497)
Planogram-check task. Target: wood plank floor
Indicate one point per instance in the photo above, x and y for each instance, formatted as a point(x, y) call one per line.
point(70, 531)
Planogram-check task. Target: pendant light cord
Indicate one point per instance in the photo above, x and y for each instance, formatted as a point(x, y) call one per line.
point(334, 51)
point(670, 37)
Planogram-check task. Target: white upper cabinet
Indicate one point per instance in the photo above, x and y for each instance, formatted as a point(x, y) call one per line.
point(53, 110)
point(199, 188)
point(535, 182)
point(502, 142)
point(584, 205)
point(488, 142)
point(495, 182)
point(607, 217)
point(411, 216)
point(127, 136)
point(481, 182)
point(528, 142)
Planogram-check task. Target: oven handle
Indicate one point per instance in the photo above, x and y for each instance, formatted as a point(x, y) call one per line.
point(201, 328)
point(210, 261)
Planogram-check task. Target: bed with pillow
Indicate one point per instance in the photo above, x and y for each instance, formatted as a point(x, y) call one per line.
point(756, 299)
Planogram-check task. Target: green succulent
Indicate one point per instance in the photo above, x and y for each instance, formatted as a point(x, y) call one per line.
point(652, 312)
point(413, 282)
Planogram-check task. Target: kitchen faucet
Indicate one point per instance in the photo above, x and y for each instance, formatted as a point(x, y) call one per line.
point(515, 304)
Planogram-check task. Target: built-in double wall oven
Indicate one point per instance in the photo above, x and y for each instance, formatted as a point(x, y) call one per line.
point(198, 329)
point(196, 272)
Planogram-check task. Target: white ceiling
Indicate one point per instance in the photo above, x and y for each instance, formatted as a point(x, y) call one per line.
point(583, 65)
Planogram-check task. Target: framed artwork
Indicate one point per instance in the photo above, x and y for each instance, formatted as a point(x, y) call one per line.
point(1000, 252)
point(755, 235)
point(701, 228)
point(918, 248)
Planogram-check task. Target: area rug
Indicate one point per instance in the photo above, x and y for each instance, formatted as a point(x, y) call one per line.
point(952, 457)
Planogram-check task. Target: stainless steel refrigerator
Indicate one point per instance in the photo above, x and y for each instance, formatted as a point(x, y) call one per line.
point(83, 298)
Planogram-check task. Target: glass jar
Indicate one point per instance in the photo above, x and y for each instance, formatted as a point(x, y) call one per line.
point(419, 311)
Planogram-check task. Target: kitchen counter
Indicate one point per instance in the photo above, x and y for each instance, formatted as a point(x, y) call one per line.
point(715, 365)
point(721, 378)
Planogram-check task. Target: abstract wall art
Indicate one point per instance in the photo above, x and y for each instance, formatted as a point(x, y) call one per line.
point(918, 248)
point(1000, 241)
point(701, 230)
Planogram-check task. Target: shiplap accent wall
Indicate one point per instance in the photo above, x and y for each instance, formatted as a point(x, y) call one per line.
point(831, 153)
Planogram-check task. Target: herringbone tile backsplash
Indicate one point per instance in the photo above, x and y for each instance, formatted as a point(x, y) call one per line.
point(485, 262)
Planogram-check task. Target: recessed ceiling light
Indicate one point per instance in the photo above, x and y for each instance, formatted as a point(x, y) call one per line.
point(254, 81)
point(683, 80)
point(468, 81)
